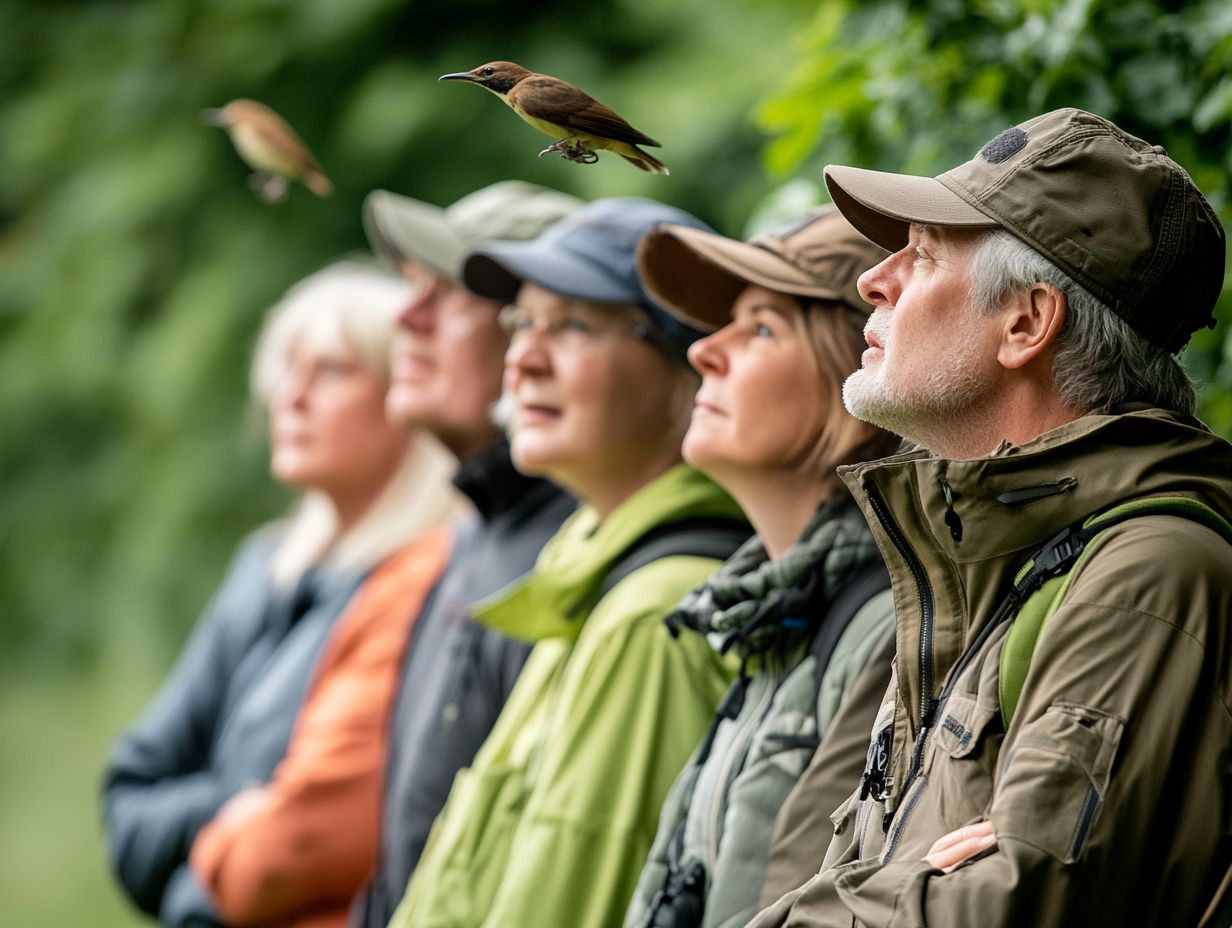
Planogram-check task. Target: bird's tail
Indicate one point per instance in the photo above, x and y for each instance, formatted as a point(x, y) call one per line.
point(318, 183)
point(648, 163)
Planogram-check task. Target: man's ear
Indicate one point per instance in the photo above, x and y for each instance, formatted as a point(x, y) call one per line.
point(1033, 319)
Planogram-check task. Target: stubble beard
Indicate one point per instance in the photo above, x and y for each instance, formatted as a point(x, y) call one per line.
point(926, 411)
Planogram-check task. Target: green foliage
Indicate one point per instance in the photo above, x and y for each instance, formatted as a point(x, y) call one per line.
point(135, 263)
point(917, 86)
point(135, 266)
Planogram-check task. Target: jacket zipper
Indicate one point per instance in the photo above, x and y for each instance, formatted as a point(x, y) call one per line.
point(924, 593)
point(904, 816)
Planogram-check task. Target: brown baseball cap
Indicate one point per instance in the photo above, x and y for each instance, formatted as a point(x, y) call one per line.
point(698, 274)
point(1116, 214)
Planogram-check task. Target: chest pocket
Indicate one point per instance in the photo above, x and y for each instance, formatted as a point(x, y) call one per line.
point(473, 850)
point(965, 744)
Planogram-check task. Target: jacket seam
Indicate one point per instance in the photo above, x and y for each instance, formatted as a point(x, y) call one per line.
point(1150, 615)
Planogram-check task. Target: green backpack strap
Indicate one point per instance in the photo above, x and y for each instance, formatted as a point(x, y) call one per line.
point(1060, 558)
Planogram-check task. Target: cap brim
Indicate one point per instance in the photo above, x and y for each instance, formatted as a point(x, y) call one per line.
point(698, 274)
point(498, 269)
point(883, 206)
point(400, 229)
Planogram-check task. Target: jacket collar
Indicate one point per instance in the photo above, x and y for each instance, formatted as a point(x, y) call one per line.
point(554, 598)
point(491, 482)
point(954, 532)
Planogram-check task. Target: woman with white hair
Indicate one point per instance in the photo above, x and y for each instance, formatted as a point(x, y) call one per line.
point(370, 491)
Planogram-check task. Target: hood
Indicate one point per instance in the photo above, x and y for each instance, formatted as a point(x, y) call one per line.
point(553, 600)
point(954, 532)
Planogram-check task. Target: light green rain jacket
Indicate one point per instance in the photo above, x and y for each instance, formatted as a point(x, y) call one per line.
point(550, 826)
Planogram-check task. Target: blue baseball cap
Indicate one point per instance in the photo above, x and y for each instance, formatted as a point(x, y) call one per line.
point(589, 255)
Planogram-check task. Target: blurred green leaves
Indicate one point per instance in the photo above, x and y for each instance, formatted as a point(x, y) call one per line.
point(917, 86)
point(135, 263)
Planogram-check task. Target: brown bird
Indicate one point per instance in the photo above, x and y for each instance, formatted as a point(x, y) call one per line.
point(580, 123)
point(271, 148)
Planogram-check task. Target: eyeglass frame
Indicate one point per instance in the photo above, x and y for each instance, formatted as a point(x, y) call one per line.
point(641, 331)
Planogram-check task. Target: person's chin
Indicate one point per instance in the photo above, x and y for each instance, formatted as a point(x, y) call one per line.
point(405, 406)
point(701, 448)
point(530, 454)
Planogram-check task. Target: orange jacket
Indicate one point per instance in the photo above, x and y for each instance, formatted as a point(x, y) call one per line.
point(292, 853)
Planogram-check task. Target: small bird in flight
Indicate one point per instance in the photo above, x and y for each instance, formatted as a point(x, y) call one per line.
point(579, 123)
point(271, 148)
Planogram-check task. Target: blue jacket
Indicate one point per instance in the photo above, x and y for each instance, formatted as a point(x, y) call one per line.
point(220, 722)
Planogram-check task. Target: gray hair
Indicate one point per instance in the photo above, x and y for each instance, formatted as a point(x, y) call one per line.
point(1100, 360)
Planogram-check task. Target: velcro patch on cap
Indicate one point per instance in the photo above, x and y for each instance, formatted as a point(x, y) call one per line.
point(1004, 146)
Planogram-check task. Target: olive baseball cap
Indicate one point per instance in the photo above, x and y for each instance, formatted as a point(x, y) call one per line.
point(400, 228)
point(699, 274)
point(591, 255)
point(1116, 214)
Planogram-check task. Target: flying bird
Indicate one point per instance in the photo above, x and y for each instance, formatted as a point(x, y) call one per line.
point(271, 148)
point(580, 124)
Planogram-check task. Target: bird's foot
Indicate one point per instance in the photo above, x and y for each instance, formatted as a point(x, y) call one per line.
point(554, 147)
point(581, 154)
point(572, 150)
point(271, 188)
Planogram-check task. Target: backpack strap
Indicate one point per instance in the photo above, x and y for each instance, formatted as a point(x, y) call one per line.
point(866, 584)
point(704, 536)
point(1042, 583)
point(1218, 913)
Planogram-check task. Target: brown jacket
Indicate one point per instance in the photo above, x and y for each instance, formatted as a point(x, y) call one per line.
point(296, 850)
point(1110, 791)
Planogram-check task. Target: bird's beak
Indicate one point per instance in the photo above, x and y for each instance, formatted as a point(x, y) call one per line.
point(213, 117)
point(458, 76)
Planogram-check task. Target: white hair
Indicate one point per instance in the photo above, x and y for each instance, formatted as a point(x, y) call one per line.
point(351, 306)
point(1100, 360)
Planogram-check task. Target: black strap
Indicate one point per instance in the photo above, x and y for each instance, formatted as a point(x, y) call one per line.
point(868, 583)
point(704, 536)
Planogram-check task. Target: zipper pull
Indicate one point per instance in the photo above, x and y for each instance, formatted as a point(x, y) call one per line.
point(873, 782)
point(951, 517)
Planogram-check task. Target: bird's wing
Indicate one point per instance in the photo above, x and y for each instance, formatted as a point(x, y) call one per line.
point(280, 137)
point(558, 101)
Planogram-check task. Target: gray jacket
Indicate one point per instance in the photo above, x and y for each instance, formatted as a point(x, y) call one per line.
point(717, 825)
point(457, 673)
point(221, 722)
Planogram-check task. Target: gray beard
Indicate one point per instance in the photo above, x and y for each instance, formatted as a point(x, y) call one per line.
point(922, 413)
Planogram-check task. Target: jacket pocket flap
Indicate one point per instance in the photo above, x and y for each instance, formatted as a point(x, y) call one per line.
point(963, 721)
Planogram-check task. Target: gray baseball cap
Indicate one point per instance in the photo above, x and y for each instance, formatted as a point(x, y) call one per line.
point(589, 255)
point(1115, 213)
point(401, 228)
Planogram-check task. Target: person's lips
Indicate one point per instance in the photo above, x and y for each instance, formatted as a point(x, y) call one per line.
point(531, 412)
point(411, 367)
point(707, 407)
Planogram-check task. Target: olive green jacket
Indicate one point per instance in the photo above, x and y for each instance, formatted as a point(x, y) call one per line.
point(1109, 793)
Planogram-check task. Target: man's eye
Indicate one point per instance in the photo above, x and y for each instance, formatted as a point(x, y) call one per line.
point(576, 324)
point(920, 256)
point(761, 330)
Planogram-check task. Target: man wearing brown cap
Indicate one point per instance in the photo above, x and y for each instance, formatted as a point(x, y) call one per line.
point(446, 378)
point(1023, 336)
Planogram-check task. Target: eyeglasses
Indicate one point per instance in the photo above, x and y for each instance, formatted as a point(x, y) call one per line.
point(569, 327)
